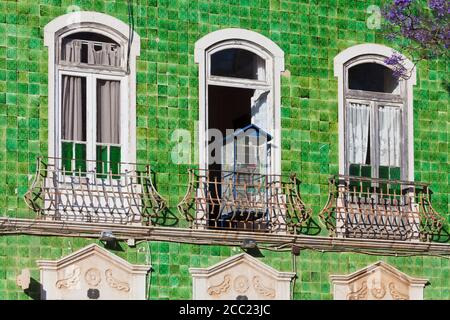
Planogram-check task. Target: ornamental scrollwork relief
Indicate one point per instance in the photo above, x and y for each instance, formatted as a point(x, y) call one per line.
point(261, 289)
point(221, 288)
point(360, 294)
point(116, 284)
point(397, 295)
point(71, 281)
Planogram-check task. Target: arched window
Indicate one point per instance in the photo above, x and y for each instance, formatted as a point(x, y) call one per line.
point(91, 91)
point(239, 86)
point(374, 199)
point(239, 128)
point(375, 115)
point(92, 102)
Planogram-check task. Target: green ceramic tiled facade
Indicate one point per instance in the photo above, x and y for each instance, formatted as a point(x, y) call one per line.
point(311, 34)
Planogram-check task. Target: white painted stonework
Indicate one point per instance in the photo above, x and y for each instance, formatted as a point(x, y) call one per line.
point(379, 281)
point(92, 267)
point(240, 275)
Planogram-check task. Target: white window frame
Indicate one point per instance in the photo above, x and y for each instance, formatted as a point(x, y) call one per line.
point(91, 115)
point(263, 47)
point(375, 53)
point(265, 84)
point(86, 21)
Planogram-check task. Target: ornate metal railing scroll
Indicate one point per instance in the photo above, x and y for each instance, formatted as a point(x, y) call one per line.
point(359, 207)
point(125, 193)
point(243, 201)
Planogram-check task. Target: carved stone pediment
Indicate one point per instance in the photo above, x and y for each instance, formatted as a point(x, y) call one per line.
point(240, 277)
point(92, 273)
point(379, 281)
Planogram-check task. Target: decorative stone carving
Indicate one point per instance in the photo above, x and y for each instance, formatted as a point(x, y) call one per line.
point(23, 279)
point(92, 269)
point(70, 281)
point(241, 284)
point(360, 294)
point(93, 277)
point(395, 294)
point(220, 288)
point(379, 281)
point(261, 289)
point(378, 291)
point(240, 275)
point(116, 284)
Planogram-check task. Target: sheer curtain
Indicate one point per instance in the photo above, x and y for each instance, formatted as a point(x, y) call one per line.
point(108, 55)
point(358, 132)
point(73, 117)
point(108, 111)
point(98, 53)
point(390, 135)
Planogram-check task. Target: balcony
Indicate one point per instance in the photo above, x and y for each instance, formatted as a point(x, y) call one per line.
point(371, 208)
point(90, 191)
point(244, 201)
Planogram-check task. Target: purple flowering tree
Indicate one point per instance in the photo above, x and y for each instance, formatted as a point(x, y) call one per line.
point(421, 27)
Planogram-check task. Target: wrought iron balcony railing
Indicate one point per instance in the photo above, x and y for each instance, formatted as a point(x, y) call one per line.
point(108, 192)
point(243, 201)
point(371, 208)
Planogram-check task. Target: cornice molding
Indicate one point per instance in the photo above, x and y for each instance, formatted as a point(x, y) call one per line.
point(217, 237)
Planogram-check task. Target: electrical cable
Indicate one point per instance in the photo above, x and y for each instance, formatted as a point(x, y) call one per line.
point(130, 32)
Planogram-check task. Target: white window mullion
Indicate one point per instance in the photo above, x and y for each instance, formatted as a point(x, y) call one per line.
point(123, 129)
point(91, 122)
point(58, 117)
point(374, 139)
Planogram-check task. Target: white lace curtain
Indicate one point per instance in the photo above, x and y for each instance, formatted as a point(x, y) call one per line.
point(98, 53)
point(390, 136)
point(358, 132)
point(389, 126)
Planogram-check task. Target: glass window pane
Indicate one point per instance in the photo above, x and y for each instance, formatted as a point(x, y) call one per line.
point(108, 111)
point(80, 157)
point(67, 156)
point(394, 173)
point(114, 160)
point(238, 63)
point(73, 108)
point(355, 170)
point(383, 172)
point(372, 77)
point(102, 159)
point(366, 171)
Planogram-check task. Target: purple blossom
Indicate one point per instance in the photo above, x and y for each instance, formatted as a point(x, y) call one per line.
point(402, 4)
point(426, 29)
point(394, 59)
point(399, 73)
point(440, 7)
